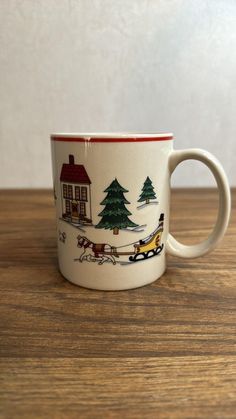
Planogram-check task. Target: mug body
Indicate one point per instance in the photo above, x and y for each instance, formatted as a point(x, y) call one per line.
point(112, 207)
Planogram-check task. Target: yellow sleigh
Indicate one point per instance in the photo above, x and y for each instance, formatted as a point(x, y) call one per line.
point(151, 246)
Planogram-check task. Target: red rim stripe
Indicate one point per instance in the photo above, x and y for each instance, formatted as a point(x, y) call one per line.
point(111, 139)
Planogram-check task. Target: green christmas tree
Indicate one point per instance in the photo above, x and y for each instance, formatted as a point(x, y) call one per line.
point(115, 214)
point(147, 191)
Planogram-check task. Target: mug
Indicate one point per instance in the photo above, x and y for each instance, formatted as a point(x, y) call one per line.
point(112, 196)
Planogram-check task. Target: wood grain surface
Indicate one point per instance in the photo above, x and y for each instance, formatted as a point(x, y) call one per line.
point(167, 350)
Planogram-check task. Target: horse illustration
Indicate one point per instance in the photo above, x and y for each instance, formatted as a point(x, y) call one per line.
point(94, 252)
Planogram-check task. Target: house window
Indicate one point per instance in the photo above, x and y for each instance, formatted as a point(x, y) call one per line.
point(64, 191)
point(68, 206)
point(77, 193)
point(70, 192)
point(82, 208)
point(84, 193)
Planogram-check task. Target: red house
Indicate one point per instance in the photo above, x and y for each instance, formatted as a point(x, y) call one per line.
point(75, 193)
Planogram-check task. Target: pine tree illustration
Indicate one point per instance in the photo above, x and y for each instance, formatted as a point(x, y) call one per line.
point(147, 191)
point(115, 214)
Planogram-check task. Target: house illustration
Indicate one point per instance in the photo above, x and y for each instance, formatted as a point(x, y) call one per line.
point(75, 193)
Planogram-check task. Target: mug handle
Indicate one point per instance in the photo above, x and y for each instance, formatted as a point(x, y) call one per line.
point(176, 248)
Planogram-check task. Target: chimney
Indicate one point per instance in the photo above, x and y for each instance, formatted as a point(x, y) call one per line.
point(71, 159)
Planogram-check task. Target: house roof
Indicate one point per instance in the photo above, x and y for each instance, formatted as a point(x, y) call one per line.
point(74, 173)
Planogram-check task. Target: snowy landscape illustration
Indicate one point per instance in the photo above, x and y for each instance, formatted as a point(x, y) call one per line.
point(76, 203)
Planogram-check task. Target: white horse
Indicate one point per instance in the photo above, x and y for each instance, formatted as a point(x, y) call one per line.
point(95, 252)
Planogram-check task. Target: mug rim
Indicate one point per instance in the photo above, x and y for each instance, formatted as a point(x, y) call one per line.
point(111, 136)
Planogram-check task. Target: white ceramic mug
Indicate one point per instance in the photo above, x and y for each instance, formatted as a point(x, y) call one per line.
point(112, 194)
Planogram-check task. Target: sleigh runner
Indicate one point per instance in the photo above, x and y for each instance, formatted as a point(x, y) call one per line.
point(143, 249)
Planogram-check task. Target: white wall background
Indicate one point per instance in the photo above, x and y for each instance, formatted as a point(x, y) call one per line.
point(140, 65)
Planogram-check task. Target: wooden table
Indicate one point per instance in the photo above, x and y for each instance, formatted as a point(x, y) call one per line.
point(167, 350)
